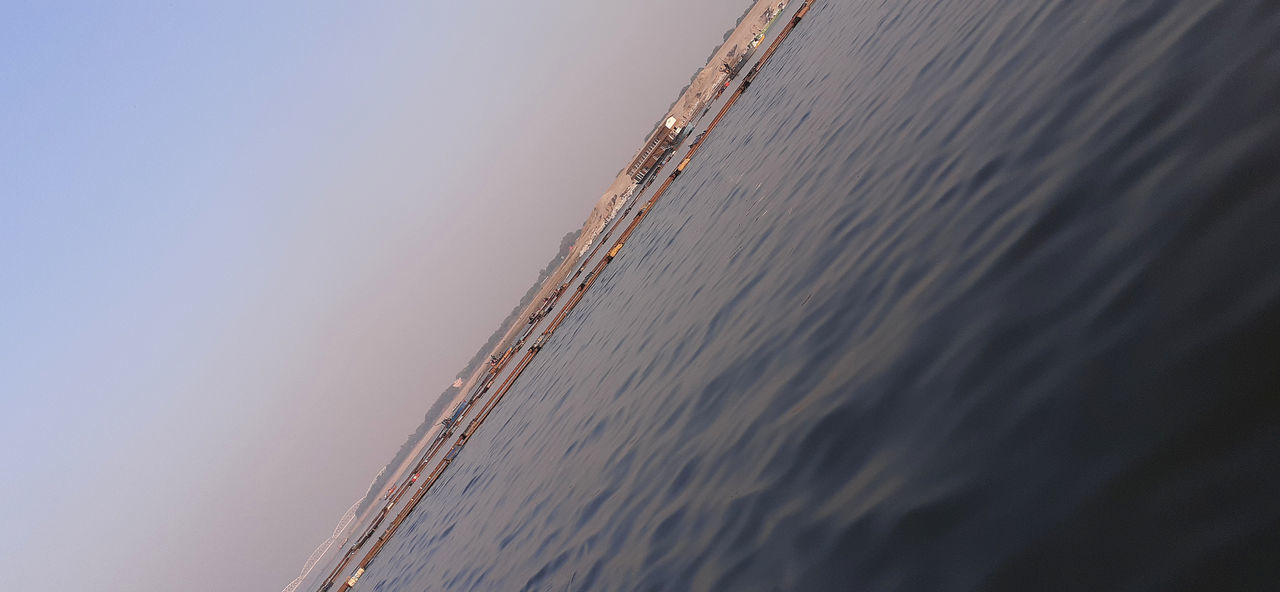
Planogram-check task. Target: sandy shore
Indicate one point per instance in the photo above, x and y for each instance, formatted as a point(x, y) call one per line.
point(686, 108)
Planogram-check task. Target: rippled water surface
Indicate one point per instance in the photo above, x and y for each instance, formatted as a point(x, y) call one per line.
point(965, 295)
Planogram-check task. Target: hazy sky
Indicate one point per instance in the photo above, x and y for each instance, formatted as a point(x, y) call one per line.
point(243, 246)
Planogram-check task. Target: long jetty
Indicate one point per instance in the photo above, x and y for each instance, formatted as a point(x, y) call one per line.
point(483, 387)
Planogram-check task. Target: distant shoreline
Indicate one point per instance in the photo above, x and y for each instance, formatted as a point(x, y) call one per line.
point(689, 103)
point(684, 109)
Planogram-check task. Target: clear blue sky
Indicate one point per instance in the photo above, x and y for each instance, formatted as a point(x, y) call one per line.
point(243, 246)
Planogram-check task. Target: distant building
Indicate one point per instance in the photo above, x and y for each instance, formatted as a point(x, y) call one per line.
point(663, 138)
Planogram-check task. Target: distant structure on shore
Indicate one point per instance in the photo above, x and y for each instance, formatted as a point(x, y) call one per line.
point(666, 136)
point(705, 87)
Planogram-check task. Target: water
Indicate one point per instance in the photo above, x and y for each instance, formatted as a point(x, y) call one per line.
point(973, 295)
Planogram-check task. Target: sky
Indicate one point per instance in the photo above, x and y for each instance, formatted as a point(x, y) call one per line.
point(244, 246)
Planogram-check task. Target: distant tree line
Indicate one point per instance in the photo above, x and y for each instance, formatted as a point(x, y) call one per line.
point(728, 34)
point(710, 57)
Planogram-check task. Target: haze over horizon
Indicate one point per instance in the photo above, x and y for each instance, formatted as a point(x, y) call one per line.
point(244, 247)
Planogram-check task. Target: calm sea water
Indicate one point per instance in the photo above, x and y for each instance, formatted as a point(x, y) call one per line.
point(969, 295)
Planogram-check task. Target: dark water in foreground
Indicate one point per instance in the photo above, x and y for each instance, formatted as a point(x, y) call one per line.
point(973, 295)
